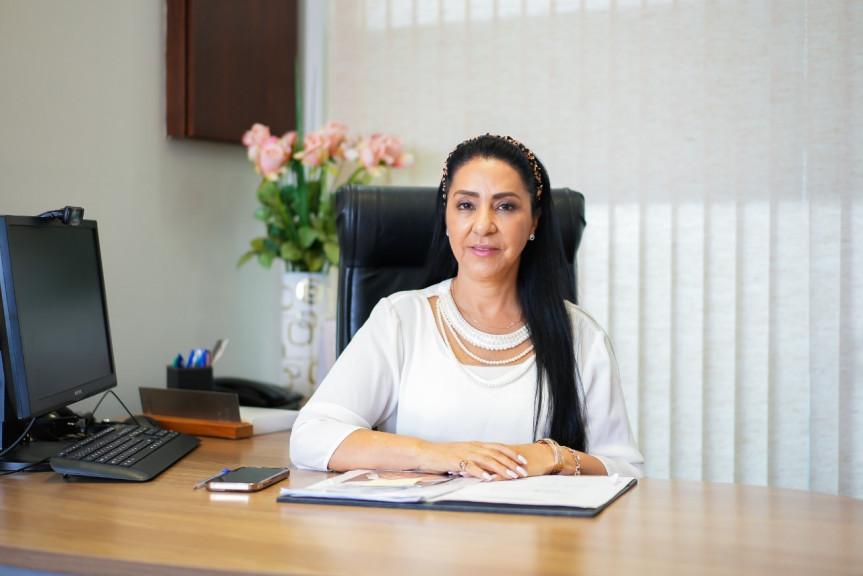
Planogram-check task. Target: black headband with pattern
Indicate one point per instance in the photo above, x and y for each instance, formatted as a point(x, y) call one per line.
point(537, 175)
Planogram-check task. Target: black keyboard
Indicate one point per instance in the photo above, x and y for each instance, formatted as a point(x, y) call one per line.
point(124, 452)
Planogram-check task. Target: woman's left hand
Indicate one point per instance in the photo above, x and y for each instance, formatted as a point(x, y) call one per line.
point(486, 460)
point(491, 461)
point(540, 460)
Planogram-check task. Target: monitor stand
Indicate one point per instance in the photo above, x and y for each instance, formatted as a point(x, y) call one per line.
point(32, 455)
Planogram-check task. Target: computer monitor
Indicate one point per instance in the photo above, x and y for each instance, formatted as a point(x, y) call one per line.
point(55, 340)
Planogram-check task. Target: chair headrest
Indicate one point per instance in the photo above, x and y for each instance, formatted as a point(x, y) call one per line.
point(384, 226)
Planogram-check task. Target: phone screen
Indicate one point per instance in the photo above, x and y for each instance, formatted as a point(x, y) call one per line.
point(247, 479)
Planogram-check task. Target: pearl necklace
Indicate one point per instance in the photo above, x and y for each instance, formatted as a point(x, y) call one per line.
point(449, 312)
point(461, 345)
point(513, 375)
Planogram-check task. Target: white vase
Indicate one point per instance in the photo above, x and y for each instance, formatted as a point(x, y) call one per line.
point(308, 298)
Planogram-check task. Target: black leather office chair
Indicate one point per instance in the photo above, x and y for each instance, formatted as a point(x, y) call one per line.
point(384, 235)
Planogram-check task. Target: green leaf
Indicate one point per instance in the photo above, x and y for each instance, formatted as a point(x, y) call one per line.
point(258, 244)
point(288, 194)
point(263, 213)
point(331, 249)
point(328, 216)
point(266, 259)
point(272, 246)
point(291, 252)
point(308, 236)
point(268, 193)
point(245, 258)
point(315, 261)
point(277, 233)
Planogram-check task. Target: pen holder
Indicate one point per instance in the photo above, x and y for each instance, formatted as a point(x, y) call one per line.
point(191, 378)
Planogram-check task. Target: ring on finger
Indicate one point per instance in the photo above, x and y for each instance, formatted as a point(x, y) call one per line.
point(462, 465)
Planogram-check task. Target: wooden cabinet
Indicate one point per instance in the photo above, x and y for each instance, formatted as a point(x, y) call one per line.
point(230, 63)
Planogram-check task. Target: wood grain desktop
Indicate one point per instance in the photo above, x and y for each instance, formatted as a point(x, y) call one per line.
point(90, 526)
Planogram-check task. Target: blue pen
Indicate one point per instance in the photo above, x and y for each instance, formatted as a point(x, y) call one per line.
point(203, 483)
point(191, 361)
point(178, 361)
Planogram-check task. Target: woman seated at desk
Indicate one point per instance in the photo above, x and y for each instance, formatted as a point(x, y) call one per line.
point(491, 371)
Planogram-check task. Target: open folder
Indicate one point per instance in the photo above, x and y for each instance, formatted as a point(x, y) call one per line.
point(542, 495)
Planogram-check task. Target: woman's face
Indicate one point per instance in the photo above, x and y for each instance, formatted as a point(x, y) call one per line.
point(489, 220)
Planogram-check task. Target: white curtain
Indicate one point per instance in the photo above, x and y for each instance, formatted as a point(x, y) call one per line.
point(719, 145)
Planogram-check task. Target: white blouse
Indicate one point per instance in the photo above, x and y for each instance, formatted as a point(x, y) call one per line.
point(398, 375)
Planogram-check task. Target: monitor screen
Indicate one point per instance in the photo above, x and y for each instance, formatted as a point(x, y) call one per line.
point(55, 337)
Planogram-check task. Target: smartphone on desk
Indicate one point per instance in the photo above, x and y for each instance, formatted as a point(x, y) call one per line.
point(247, 479)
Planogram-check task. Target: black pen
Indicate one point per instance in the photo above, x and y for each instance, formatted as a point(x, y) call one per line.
point(203, 483)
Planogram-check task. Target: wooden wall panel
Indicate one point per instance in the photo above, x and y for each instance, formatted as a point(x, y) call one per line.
point(230, 63)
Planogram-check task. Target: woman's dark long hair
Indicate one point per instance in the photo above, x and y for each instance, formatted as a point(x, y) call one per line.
point(545, 280)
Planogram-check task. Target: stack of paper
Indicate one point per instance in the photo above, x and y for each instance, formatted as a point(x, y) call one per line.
point(266, 420)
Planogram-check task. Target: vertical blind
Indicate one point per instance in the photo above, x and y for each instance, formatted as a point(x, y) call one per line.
point(719, 147)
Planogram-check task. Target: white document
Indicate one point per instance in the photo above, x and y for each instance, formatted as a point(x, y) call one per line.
point(569, 491)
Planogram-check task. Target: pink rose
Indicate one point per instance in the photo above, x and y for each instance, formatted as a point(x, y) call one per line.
point(350, 149)
point(316, 149)
point(334, 133)
point(254, 139)
point(391, 148)
point(271, 159)
point(288, 140)
point(393, 151)
point(256, 136)
point(403, 160)
point(383, 150)
point(370, 152)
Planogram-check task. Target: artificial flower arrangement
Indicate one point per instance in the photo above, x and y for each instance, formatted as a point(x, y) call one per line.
point(300, 175)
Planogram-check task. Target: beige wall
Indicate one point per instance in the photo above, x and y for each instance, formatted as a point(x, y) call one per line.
point(82, 122)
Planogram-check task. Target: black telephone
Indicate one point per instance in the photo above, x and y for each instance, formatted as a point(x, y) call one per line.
point(252, 393)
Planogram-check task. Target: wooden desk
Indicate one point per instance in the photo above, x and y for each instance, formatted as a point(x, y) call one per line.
point(659, 527)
